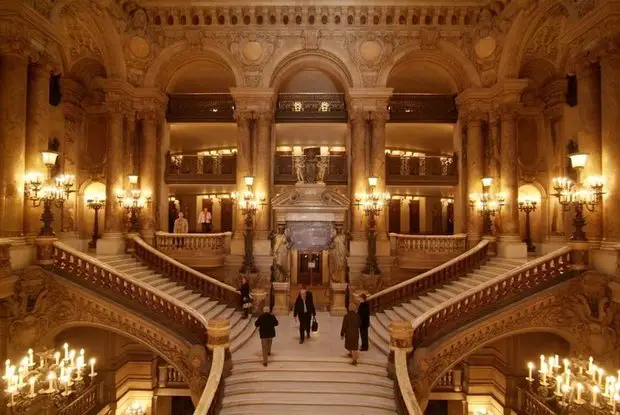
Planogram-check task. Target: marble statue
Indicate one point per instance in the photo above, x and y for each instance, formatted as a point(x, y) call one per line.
point(322, 166)
point(280, 252)
point(338, 256)
point(299, 168)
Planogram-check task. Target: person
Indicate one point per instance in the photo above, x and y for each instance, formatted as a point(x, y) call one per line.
point(266, 324)
point(246, 299)
point(350, 333)
point(363, 311)
point(304, 308)
point(204, 219)
point(180, 226)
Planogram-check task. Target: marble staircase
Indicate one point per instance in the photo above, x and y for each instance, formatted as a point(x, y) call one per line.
point(241, 330)
point(409, 310)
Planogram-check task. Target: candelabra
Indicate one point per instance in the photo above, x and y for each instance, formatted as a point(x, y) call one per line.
point(527, 205)
point(56, 376)
point(372, 203)
point(578, 196)
point(486, 205)
point(133, 202)
point(249, 204)
point(95, 202)
point(48, 192)
point(579, 385)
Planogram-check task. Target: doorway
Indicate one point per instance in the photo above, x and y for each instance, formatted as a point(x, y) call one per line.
point(394, 216)
point(309, 272)
point(450, 219)
point(226, 214)
point(414, 217)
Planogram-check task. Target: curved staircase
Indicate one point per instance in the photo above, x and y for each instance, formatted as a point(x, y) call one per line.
point(409, 310)
point(240, 329)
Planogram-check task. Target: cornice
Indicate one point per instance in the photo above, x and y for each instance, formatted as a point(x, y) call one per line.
point(597, 24)
point(33, 22)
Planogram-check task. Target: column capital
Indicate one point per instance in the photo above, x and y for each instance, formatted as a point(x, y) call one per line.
point(242, 116)
point(509, 111)
point(369, 99)
point(258, 100)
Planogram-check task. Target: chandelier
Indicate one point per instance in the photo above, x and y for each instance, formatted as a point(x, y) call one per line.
point(372, 202)
point(569, 384)
point(249, 202)
point(486, 205)
point(55, 375)
point(136, 408)
point(133, 201)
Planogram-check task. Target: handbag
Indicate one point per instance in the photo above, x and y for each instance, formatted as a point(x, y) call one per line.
point(315, 325)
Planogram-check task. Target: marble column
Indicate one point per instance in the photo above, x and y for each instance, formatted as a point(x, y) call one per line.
point(475, 172)
point(130, 147)
point(37, 136)
point(359, 172)
point(493, 152)
point(509, 242)
point(610, 123)
point(148, 170)
point(112, 241)
point(377, 164)
point(589, 138)
point(13, 99)
point(244, 158)
point(163, 189)
point(461, 208)
point(262, 172)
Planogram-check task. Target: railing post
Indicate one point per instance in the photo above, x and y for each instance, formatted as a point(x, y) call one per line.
point(492, 250)
point(45, 250)
point(162, 378)
point(218, 335)
point(393, 241)
point(579, 255)
point(130, 246)
point(401, 338)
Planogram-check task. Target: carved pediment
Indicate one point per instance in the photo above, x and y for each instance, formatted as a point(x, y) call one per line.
point(310, 202)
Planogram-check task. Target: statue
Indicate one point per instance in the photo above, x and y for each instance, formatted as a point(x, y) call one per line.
point(322, 165)
point(299, 168)
point(280, 252)
point(310, 165)
point(338, 256)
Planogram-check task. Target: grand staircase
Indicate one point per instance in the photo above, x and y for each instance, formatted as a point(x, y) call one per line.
point(240, 329)
point(409, 310)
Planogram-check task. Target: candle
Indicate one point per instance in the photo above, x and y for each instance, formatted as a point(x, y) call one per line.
point(590, 365)
point(567, 374)
point(558, 381)
point(600, 375)
point(593, 373)
point(92, 366)
point(579, 389)
point(32, 381)
point(57, 357)
point(66, 346)
point(566, 364)
point(565, 390)
point(542, 359)
point(72, 357)
point(595, 391)
point(557, 361)
point(30, 357)
point(530, 366)
point(51, 376)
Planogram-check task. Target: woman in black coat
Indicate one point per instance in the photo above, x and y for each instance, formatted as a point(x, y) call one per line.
point(246, 299)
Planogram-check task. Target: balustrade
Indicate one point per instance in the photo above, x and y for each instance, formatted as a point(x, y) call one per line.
point(90, 399)
point(200, 168)
point(311, 107)
point(529, 404)
point(184, 275)
point(170, 377)
point(206, 107)
point(336, 173)
point(420, 169)
point(423, 108)
point(195, 243)
point(422, 252)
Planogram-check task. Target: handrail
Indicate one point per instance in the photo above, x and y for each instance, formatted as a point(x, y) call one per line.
point(182, 274)
point(407, 236)
point(215, 243)
point(213, 388)
point(194, 235)
point(405, 392)
point(531, 405)
point(447, 271)
point(428, 326)
point(95, 272)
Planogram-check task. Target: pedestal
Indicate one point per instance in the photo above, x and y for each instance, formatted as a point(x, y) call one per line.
point(337, 301)
point(401, 338)
point(580, 255)
point(218, 335)
point(130, 247)
point(511, 247)
point(492, 251)
point(111, 244)
point(281, 298)
point(259, 300)
point(45, 250)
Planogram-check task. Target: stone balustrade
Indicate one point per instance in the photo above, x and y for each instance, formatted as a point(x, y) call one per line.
point(196, 250)
point(169, 377)
point(437, 276)
point(422, 252)
point(90, 399)
point(401, 347)
point(529, 404)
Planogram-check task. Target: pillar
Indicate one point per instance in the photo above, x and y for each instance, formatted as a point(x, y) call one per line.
point(148, 169)
point(359, 173)
point(460, 190)
point(262, 171)
point(610, 126)
point(377, 163)
point(492, 161)
point(475, 172)
point(163, 189)
point(111, 241)
point(244, 158)
point(14, 82)
point(589, 137)
point(37, 136)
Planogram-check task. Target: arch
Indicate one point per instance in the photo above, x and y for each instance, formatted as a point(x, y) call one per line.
point(521, 31)
point(461, 70)
point(176, 56)
point(279, 71)
point(539, 71)
point(86, 70)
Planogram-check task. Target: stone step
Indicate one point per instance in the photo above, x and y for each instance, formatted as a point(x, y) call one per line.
point(430, 302)
point(187, 296)
point(379, 343)
point(241, 333)
point(280, 409)
point(268, 374)
point(214, 312)
point(206, 307)
point(309, 398)
point(318, 388)
point(498, 269)
point(197, 302)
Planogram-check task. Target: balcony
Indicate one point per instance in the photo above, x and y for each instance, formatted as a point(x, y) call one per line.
point(419, 169)
point(200, 169)
point(200, 108)
point(311, 107)
point(336, 173)
point(423, 108)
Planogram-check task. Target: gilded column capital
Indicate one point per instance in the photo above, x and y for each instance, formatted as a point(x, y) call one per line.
point(358, 115)
point(263, 117)
point(509, 111)
point(382, 115)
point(242, 117)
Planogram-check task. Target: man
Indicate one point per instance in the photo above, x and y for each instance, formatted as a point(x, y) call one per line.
point(204, 220)
point(266, 324)
point(180, 226)
point(304, 308)
point(363, 311)
point(350, 333)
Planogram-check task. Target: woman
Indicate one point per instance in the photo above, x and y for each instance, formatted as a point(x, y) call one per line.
point(350, 332)
point(246, 298)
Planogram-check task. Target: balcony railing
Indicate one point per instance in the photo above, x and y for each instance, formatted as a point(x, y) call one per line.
point(311, 107)
point(170, 377)
point(529, 404)
point(90, 399)
point(422, 252)
point(423, 108)
point(285, 172)
point(194, 168)
point(196, 250)
point(200, 108)
point(418, 169)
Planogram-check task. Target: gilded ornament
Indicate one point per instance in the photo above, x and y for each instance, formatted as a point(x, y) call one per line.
point(252, 51)
point(139, 47)
point(370, 51)
point(485, 47)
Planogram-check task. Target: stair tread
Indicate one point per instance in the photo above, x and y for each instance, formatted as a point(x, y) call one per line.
point(326, 387)
point(320, 369)
point(307, 398)
point(214, 312)
point(268, 409)
point(308, 377)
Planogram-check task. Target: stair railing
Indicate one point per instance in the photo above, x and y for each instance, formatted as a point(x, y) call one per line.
point(405, 396)
point(85, 268)
point(184, 275)
point(534, 275)
point(207, 243)
point(402, 243)
point(88, 400)
point(213, 391)
point(433, 278)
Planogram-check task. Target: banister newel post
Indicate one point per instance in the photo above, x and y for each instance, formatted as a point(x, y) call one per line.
point(45, 250)
point(401, 338)
point(579, 255)
point(218, 335)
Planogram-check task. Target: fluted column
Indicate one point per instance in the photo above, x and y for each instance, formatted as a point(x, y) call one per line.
point(493, 151)
point(377, 162)
point(37, 135)
point(589, 138)
point(262, 171)
point(359, 171)
point(130, 147)
point(244, 158)
point(13, 87)
point(475, 171)
point(148, 169)
point(610, 123)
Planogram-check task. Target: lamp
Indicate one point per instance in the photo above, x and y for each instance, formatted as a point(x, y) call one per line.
point(372, 204)
point(248, 180)
point(133, 201)
point(486, 182)
point(486, 205)
point(249, 203)
point(95, 202)
point(136, 408)
point(527, 205)
point(578, 195)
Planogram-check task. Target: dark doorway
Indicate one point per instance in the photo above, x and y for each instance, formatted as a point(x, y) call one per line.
point(182, 405)
point(414, 217)
point(450, 219)
point(437, 408)
point(227, 215)
point(309, 272)
point(394, 216)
